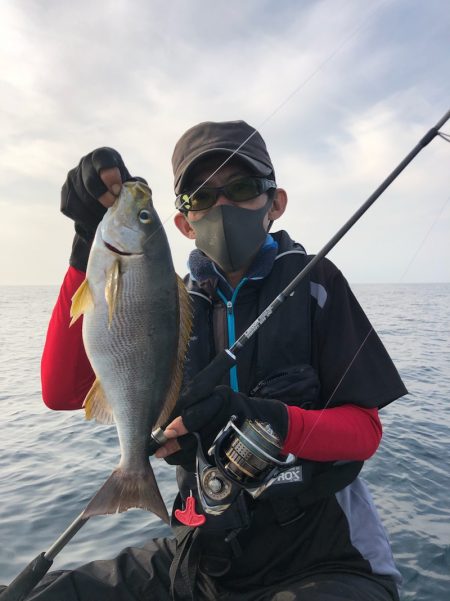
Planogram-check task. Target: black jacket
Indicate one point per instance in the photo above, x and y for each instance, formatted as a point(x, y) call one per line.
point(319, 328)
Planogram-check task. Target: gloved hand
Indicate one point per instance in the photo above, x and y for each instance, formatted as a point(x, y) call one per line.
point(209, 415)
point(80, 198)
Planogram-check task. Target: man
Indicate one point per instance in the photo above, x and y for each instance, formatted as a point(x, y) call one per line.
point(314, 376)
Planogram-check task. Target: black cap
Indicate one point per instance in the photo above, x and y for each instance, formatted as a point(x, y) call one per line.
point(235, 138)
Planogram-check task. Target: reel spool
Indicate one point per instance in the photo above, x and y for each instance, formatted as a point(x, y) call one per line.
point(252, 452)
point(243, 459)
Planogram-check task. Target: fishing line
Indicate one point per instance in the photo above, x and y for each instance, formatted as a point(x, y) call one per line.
point(426, 236)
point(304, 83)
point(289, 97)
point(284, 102)
point(320, 412)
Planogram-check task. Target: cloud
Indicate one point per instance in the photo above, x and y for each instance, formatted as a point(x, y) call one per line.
point(340, 96)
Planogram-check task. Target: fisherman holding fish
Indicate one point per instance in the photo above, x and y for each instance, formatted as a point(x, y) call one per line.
point(270, 505)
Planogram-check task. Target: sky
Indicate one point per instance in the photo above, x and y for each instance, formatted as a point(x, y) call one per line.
point(341, 91)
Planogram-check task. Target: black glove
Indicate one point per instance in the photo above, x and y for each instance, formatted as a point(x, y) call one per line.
point(79, 199)
point(209, 415)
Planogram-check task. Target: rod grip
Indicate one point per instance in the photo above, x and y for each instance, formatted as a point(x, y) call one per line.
point(207, 379)
point(25, 582)
point(198, 388)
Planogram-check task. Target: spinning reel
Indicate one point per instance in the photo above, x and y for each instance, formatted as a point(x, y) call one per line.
point(246, 458)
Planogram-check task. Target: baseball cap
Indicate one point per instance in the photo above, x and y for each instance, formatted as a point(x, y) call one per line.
point(235, 138)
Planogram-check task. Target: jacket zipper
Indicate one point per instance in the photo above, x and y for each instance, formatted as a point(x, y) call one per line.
point(231, 328)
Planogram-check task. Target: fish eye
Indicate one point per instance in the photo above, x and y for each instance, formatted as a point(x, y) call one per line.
point(144, 216)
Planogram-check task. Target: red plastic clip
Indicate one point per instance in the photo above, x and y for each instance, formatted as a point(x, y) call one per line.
point(188, 516)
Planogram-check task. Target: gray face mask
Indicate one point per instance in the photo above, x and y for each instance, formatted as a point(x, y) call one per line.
point(230, 236)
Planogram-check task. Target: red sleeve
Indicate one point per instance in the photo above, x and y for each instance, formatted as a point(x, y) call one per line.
point(66, 373)
point(348, 432)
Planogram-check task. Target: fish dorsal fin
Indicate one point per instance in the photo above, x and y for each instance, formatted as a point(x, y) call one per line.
point(112, 285)
point(184, 334)
point(82, 301)
point(96, 406)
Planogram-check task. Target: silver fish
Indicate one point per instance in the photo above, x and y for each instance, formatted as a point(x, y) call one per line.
point(136, 328)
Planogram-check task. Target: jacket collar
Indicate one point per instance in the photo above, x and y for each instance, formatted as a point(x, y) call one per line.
point(205, 275)
point(204, 271)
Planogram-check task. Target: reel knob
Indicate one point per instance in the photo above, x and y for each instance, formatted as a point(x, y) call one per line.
point(214, 484)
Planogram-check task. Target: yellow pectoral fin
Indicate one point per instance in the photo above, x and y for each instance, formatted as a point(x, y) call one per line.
point(96, 405)
point(82, 301)
point(112, 286)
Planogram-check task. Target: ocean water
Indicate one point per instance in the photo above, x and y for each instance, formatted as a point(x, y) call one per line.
point(52, 462)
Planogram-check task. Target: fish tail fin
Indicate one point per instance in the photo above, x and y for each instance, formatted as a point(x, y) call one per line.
point(124, 490)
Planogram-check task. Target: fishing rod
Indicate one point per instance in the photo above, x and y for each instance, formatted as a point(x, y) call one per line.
point(205, 381)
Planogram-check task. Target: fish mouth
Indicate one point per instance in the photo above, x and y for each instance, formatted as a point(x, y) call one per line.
point(116, 250)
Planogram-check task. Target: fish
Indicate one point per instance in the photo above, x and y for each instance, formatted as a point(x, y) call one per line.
point(137, 321)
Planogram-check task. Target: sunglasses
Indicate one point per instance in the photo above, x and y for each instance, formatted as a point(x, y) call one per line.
point(237, 191)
